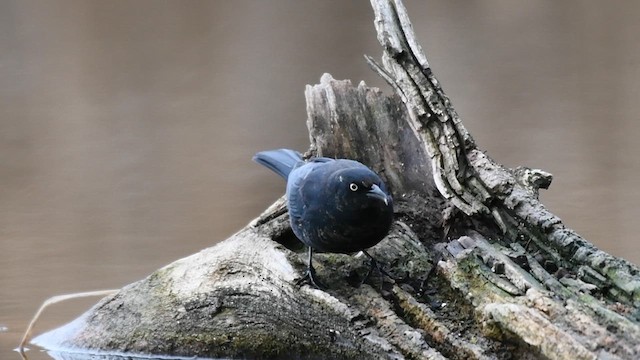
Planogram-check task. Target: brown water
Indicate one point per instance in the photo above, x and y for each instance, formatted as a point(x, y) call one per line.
point(127, 128)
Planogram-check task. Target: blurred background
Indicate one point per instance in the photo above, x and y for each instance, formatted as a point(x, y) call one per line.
point(127, 127)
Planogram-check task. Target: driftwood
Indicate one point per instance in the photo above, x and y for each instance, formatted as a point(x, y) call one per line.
point(480, 269)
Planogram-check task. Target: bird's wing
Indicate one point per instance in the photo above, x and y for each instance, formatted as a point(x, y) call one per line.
point(300, 192)
point(294, 189)
point(321, 160)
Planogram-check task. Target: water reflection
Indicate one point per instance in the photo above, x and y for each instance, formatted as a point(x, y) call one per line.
point(57, 355)
point(127, 128)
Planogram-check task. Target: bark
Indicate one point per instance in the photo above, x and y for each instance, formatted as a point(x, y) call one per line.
point(480, 269)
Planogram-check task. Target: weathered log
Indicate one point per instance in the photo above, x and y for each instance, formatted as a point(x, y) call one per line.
point(480, 268)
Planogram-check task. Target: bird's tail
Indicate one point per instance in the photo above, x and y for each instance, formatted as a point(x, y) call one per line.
point(280, 161)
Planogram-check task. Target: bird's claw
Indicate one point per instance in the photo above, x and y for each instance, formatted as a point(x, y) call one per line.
point(374, 264)
point(309, 278)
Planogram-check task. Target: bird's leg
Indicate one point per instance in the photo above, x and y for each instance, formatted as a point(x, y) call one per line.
point(373, 263)
point(428, 291)
point(310, 275)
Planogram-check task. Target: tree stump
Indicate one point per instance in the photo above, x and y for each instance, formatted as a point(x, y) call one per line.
point(480, 269)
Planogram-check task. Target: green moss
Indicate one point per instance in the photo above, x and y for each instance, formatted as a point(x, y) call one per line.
point(259, 345)
point(474, 278)
point(492, 330)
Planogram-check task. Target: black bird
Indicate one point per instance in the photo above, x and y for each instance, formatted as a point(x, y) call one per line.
point(335, 206)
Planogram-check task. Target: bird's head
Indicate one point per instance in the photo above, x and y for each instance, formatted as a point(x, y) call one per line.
point(363, 186)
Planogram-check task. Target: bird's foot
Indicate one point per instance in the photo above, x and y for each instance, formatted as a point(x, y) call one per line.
point(374, 264)
point(424, 289)
point(309, 278)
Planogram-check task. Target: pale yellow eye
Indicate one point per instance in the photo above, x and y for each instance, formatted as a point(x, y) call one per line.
point(353, 187)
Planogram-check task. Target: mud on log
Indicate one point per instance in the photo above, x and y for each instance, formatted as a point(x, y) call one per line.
point(481, 270)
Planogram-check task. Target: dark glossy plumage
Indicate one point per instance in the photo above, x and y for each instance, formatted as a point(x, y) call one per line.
point(337, 206)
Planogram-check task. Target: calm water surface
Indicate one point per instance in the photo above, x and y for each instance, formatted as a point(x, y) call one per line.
point(127, 128)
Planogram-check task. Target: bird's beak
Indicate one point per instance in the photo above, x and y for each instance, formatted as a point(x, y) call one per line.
point(377, 193)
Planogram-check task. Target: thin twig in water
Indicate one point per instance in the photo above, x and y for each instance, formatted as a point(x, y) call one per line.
point(54, 300)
